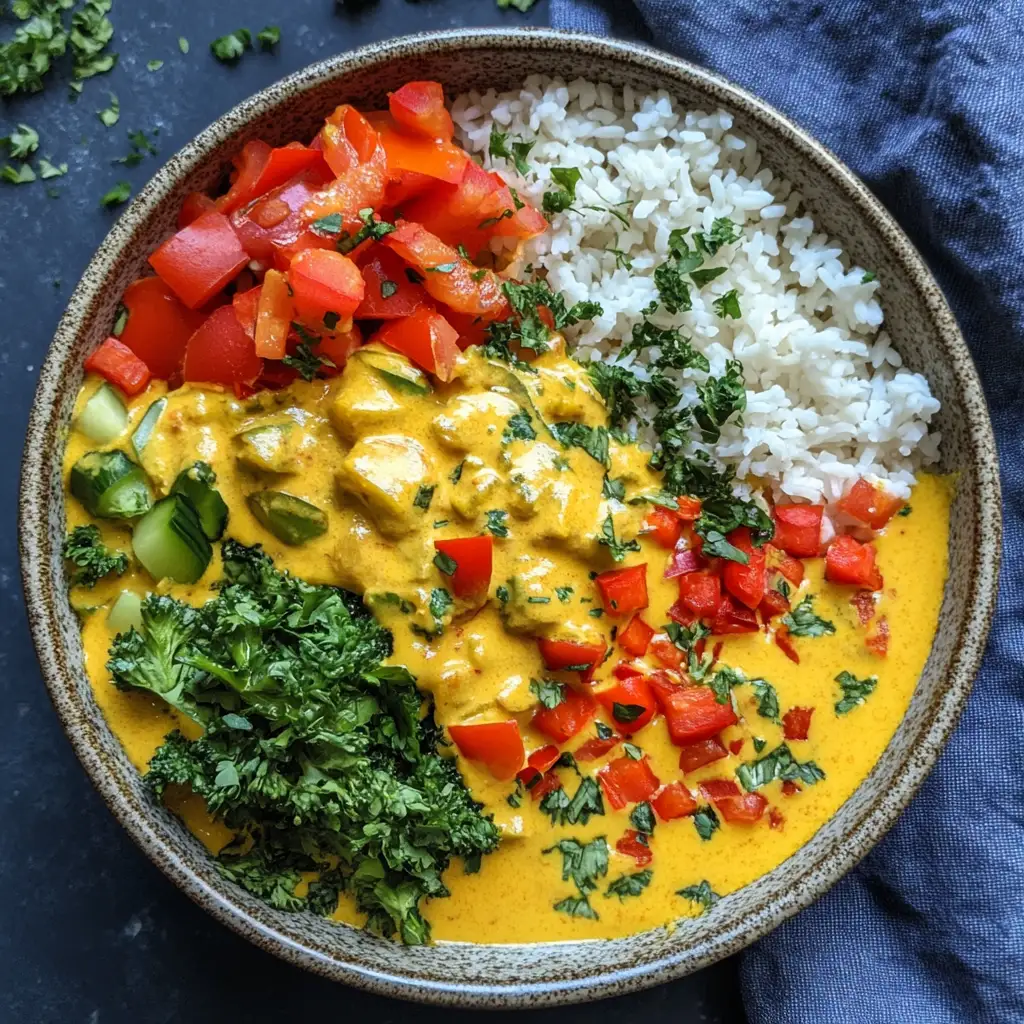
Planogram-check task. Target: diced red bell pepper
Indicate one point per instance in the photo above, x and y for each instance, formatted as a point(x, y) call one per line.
point(337, 346)
point(682, 561)
point(630, 704)
point(626, 781)
point(545, 784)
point(347, 139)
point(773, 603)
point(798, 529)
point(864, 602)
point(408, 151)
point(447, 277)
point(695, 755)
point(426, 338)
point(701, 593)
point(689, 508)
point(194, 205)
point(473, 557)
point(260, 168)
point(664, 526)
point(596, 747)
point(791, 568)
point(784, 642)
point(636, 637)
point(501, 217)
point(389, 295)
point(158, 326)
point(849, 561)
point(363, 182)
point(120, 365)
point(323, 282)
point(796, 722)
point(625, 671)
point(634, 844)
point(691, 712)
point(419, 107)
point(624, 591)
point(220, 352)
point(571, 655)
point(273, 316)
point(473, 330)
point(745, 582)
point(538, 763)
point(731, 803)
point(870, 505)
point(566, 719)
point(878, 642)
point(673, 800)
point(198, 261)
point(246, 306)
point(666, 652)
point(497, 744)
point(451, 211)
point(403, 186)
point(790, 788)
point(732, 617)
point(736, 746)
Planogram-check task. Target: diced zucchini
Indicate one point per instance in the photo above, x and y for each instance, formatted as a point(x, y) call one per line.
point(170, 543)
point(197, 484)
point(125, 612)
point(110, 485)
point(288, 518)
point(395, 370)
point(104, 417)
point(268, 448)
point(144, 431)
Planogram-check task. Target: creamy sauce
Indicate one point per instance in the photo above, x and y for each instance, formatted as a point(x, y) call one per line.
point(366, 451)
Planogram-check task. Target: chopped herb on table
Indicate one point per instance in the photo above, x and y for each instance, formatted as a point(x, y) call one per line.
point(116, 196)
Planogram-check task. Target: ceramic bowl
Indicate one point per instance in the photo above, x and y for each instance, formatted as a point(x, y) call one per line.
point(923, 331)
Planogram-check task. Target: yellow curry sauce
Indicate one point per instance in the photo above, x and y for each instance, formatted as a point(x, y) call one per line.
point(360, 447)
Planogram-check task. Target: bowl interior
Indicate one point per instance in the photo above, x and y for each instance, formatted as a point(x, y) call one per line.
point(923, 332)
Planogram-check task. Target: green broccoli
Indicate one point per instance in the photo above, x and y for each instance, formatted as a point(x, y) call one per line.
point(93, 560)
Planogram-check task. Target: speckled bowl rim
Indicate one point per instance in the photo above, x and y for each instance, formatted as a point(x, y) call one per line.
point(41, 562)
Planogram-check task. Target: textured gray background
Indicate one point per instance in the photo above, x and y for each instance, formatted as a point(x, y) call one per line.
point(89, 931)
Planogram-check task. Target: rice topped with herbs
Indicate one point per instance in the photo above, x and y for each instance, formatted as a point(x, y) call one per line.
point(758, 341)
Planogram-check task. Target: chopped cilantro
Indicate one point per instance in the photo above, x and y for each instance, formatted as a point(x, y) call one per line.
point(705, 820)
point(516, 150)
point(183, 44)
point(613, 489)
point(519, 428)
point(549, 692)
point(111, 114)
point(767, 699)
point(20, 175)
point(424, 496)
point(702, 894)
point(303, 358)
point(723, 232)
point(563, 593)
point(456, 474)
point(228, 49)
point(269, 37)
point(728, 304)
point(616, 547)
point(593, 440)
point(496, 524)
point(387, 288)
point(22, 142)
point(445, 563)
point(619, 387)
point(720, 397)
point(855, 691)
point(626, 713)
point(802, 621)
point(154, 65)
point(630, 885)
point(642, 818)
point(778, 764)
point(562, 198)
point(116, 195)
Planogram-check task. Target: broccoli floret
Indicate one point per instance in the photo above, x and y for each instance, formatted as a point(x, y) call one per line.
point(91, 558)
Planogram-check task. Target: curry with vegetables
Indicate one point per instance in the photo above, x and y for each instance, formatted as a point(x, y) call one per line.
point(384, 594)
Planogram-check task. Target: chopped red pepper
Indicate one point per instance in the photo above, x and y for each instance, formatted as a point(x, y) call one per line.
point(452, 212)
point(408, 151)
point(733, 805)
point(776, 819)
point(571, 655)
point(566, 719)
point(773, 603)
point(158, 325)
point(545, 784)
point(324, 283)
point(246, 306)
point(790, 788)
point(624, 591)
point(666, 652)
point(735, 746)
point(388, 294)
point(630, 703)
point(273, 316)
point(636, 637)
point(261, 168)
point(419, 107)
point(194, 205)
point(691, 712)
point(796, 722)
point(596, 747)
point(700, 593)
point(878, 642)
point(695, 755)
point(673, 801)
point(791, 568)
point(849, 561)
point(745, 582)
point(689, 508)
point(870, 505)
point(120, 365)
point(497, 744)
point(626, 781)
point(427, 339)
point(220, 352)
point(784, 642)
point(798, 529)
point(539, 762)
point(664, 526)
point(473, 557)
point(682, 561)
point(732, 617)
point(634, 844)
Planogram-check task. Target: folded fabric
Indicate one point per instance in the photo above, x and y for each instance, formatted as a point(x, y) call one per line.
point(924, 99)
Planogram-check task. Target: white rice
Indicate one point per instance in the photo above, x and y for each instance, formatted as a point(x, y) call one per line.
point(827, 398)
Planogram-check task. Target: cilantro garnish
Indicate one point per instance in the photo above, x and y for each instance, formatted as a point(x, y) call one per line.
point(617, 548)
point(855, 691)
point(702, 894)
point(445, 563)
point(802, 621)
point(228, 49)
point(630, 885)
point(778, 764)
point(496, 522)
point(424, 496)
point(519, 428)
point(516, 150)
point(562, 198)
point(116, 195)
point(304, 359)
point(619, 387)
point(593, 440)
point(269, 37)
point(728, 304)
point(705, 820)
point(549, 692)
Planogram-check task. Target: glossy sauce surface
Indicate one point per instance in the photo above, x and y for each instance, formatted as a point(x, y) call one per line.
point(397, 466)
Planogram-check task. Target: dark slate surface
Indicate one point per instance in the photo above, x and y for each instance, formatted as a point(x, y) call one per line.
point(90, 931)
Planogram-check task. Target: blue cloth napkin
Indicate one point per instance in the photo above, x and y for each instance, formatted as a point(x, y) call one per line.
point(924, 99)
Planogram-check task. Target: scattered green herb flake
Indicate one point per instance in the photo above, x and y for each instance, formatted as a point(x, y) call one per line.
point(456, 474)
point(563, 594)
point(642, 818)
point(596, 613)
point(538, 600)
point(497, 522)
point(604, 732)
point(630, 885)
point(183, 44)
point(706, 275)
point(22, 142)
point(723, 681)
point(519, 428)
point(723, 232)
point(728, 305)
point(632, 751)
point(582, 863)
point(303, 358)
point(501, 593)
point(622, 261)
point(515, 798)
point(855, 691)
point(549, 692)
point(767, 699)
point(111, 114)
point(48, 170)
point(445, 563)
point(424, 496)
point(518, 5)
point(619, 386)
point(228, 49)
point(617, 548)
point(116, 196)
point(387, 289)
point(439, 523)
point(626, 713)
point(593, 440)
point(578, 810)
point(20, 175)
point(706, 822)
point(905, 511)
point(441, 268)
point(154, 65)
point(868, 276)
point(802, 621)
point(777, 765)
point(759, 744)
point(331, 320)
point(702, 894)
point(574, 906)
point(269, 37)
point(329, 225)
point(560, 200)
